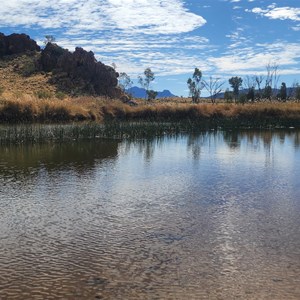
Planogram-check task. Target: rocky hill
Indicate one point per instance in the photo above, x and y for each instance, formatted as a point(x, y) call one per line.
point(25, 67)
point(137, 92)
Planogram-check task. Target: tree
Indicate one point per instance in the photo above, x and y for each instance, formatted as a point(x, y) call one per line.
point(125, 82)
point(251, 94)
point(250, 84)
point(151, 94)
point(146, 81)
point(228, 96)
point(267, 93)
point(297, 92)
point(195, 85)
point(114, 66)
point(214, 87)
point(283, 92)
point(49, 39)
point(271, 79)
point(236, 83)
point(259, 79)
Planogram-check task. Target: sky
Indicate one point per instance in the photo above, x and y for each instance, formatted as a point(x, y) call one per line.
point(223, 38)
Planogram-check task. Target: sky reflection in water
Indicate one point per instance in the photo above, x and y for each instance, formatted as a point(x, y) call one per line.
point(204, 216)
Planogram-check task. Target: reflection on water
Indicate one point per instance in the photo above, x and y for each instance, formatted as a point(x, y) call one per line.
point(208, 216)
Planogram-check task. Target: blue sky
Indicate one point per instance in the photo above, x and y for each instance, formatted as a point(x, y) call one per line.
point(223, 38)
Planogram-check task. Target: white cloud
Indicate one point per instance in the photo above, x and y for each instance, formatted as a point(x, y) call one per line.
point(147, 16)
point(167, 55)
point(281, 13)
point(254, 59)
point(296, 28)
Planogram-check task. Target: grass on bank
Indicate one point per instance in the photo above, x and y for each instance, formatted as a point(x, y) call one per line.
point(32, 109)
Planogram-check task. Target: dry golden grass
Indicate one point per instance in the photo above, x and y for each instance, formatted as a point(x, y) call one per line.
point(29, 108)
point(13, 81)
point(177, 111)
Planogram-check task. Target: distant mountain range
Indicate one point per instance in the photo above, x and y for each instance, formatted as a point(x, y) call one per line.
point(137, 92)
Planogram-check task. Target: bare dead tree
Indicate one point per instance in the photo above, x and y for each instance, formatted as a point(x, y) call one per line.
point(272, 78)
point(249, 82)
point(259, 79)
point(292, 91)
point(214, 86)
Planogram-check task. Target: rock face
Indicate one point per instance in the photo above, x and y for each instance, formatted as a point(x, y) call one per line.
point(17, 44)
point(75, 72)
point(79, 71)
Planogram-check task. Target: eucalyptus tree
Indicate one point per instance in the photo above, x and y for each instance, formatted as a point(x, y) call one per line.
point(195, 85)
point(236, 83)
point(146, 80)
point(125, 82)
point(249, 85)
point(283, 92)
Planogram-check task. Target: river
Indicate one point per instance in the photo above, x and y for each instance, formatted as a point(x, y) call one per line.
point(209, 216)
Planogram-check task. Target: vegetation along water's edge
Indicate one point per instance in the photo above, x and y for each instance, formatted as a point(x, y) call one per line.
point(32, 110)
point(121, 121)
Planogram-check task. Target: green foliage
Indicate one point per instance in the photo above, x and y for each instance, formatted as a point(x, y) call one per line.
point(242, 98)
point(124, 81)
point(60, 95)
point(146, 81)
point(251, 94)
point(283, 92)
point(43, 94)
point(49, 39)
point(267, 93)
point(195, 85)
point(228, 96)
point(28, 68)
point(236, 83)
point(151, 94)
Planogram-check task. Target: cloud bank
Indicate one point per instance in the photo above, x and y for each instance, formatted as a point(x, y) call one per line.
point(77, 16)
point(281, 13)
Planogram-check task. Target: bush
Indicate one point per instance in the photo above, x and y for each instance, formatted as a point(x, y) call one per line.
point(242, 98)
point(28, 66)
point(60, 95)
point(228, 96)
point(43, 94)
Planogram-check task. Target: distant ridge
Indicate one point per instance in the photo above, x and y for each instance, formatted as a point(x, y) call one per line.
point(137, 92)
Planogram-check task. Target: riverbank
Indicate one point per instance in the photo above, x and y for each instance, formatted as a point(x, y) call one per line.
point(32, 109)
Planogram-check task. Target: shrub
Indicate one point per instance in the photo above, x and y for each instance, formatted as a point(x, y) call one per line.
point(43, 94)
point(60, 95)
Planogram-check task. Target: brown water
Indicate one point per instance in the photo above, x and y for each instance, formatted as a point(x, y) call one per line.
point(213, 216)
